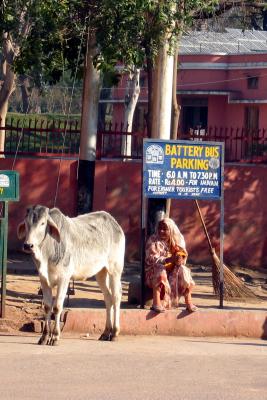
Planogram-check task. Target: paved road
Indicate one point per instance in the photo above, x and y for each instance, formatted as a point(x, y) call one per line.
point(158, 368)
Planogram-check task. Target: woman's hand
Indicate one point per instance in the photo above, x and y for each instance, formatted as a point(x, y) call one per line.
point(176, 258)
point(173, 259)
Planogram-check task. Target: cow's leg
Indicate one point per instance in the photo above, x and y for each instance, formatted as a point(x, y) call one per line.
point(47, 300)
point(116, 292)
point(62, 288)
point(102, 279)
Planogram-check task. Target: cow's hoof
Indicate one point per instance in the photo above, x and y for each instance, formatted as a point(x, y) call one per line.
point(114, 338)
point(106, 337)
point(43, 340)
point(53, 342)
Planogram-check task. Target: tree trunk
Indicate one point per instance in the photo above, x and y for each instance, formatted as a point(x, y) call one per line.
point(149, 67)
point(89, 119)
point(25, 93)
point(162, 101)
point(3, 113)
point(176, 108)
point(8, 84)
point(10, 49)
point(132, 95)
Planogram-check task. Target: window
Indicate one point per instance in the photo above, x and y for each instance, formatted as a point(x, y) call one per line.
point(253, 82)
point(194, 114)
point(252, 119)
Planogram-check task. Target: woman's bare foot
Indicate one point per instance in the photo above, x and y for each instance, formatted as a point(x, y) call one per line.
point(191, 307)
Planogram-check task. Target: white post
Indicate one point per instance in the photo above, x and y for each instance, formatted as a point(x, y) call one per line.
point(162, 104)
point(91, 91)
point(88, 139)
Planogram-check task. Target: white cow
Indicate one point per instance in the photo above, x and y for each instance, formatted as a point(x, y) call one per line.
point(78, 248)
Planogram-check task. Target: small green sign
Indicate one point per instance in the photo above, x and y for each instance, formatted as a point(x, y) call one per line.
point(9, 185)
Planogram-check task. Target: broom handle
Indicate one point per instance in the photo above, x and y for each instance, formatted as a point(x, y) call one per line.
point(204, 227)
point(168, 206)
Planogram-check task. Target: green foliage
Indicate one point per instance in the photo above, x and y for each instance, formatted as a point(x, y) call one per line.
point(129, 31)
point(53, 35)
point(132, 31)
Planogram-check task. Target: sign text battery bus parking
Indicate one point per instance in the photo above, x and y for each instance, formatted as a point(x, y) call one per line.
point(182, 169)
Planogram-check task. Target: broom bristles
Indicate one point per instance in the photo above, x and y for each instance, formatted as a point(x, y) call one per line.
point(233, 286)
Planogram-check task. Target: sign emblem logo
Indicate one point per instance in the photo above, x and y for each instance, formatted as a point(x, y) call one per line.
point(154, 154)
point(4, 181)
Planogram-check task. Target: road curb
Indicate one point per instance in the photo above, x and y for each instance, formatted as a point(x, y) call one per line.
point(224, 323)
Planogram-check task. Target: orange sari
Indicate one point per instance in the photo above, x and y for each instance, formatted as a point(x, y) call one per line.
point(173, 280)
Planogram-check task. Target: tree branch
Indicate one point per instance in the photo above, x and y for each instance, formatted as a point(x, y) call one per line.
point(224, 6)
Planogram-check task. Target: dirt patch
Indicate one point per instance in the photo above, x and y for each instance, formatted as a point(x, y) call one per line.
point(23, 304)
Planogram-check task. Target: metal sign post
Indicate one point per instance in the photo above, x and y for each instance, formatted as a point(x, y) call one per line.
point(9, 190)
point(182, 169)
point(222, 234)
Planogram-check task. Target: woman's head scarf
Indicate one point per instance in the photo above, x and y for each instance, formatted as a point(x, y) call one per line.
point(176, 238)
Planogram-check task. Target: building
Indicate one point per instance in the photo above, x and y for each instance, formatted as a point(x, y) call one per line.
point(223, 80)
point(222, 90)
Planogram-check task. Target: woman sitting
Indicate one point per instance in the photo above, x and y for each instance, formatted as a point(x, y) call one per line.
point(165, 270)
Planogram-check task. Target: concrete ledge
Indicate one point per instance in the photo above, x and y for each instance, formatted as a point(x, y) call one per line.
point(231, 323)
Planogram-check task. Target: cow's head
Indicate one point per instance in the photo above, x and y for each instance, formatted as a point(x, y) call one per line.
point(36, 225)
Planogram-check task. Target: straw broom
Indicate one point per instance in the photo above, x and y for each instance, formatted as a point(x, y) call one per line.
point(233, 286)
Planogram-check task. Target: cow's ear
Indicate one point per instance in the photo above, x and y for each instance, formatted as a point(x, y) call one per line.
point(53, 230)
point(21, 230)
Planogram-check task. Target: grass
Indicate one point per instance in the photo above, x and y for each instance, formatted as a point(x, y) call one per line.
point(30, 139)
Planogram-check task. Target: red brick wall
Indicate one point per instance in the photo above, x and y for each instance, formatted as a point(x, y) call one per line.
point(118, 190)
point(38, 183)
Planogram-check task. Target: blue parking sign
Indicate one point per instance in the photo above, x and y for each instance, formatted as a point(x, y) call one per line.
point(183, 169)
